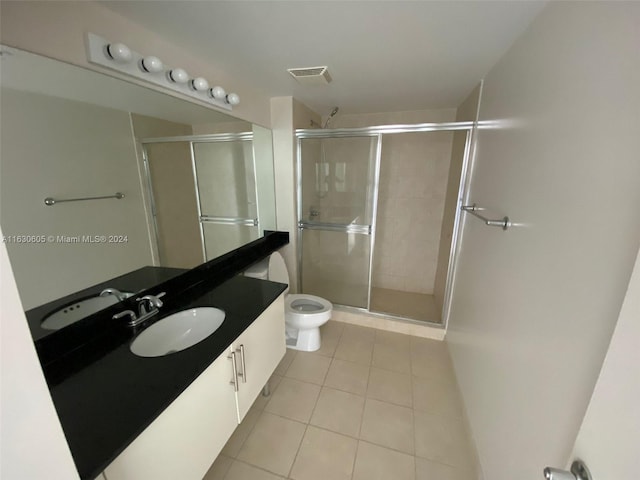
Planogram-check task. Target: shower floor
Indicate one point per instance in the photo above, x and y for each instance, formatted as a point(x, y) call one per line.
point(416, 306)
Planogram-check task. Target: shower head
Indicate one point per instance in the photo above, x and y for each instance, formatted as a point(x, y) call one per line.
point(331, 115)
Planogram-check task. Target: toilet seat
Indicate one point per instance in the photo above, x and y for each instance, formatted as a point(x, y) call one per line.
point(307, 307)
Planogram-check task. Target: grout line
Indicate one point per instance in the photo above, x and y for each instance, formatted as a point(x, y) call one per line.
point(298, 450)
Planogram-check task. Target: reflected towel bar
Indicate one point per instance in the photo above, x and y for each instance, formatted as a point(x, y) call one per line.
point(473, 210)
point(52, 201)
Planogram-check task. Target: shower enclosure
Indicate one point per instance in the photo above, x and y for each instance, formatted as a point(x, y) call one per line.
point(370, 216)
point(203, 192)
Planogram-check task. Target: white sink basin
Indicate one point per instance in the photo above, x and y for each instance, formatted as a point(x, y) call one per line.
point(177, 332)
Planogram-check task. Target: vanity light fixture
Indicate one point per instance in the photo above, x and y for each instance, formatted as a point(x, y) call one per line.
point(117, 56)
point(233, 99)
point(218, 93)
point(119, 52)
point(151, 64)
point(200, 84)
point(178, 75)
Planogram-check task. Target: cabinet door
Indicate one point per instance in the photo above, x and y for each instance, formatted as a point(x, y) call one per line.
point(264, 346)
point(185, 439)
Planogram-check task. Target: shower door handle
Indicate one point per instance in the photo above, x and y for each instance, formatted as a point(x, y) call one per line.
point(336, 227)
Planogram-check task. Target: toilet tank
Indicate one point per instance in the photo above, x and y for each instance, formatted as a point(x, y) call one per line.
point(271, 268)
point(258, 270)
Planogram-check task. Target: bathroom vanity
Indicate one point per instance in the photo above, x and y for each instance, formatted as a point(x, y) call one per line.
point(169, 416)
point(184, 440)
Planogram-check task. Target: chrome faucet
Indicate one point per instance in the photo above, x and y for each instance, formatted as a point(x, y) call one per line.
point(112, 291)
point(148, 306)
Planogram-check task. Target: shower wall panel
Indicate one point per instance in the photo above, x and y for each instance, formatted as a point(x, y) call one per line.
point(413, 182)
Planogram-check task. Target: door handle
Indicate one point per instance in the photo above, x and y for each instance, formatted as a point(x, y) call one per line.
point(234, 366)
point(579, 471)
point(243, 374)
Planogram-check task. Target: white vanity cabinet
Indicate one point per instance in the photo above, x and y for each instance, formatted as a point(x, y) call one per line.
point(185, 439)
point(262, 345)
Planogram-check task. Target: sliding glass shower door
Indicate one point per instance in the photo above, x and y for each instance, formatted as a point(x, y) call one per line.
point(337, 202)
point(226, 186)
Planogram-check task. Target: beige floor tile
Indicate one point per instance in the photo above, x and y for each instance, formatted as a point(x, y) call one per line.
point(378, 463)
point(430, 359)
point(273, 443)
point(393, 339)
point(293, 399)
point(332, 328)
point(436, 397)
point(388, 425)
point(348, 376)
point(328, 346)
point(243, 471)
point(358, 333)
point(282, 367)
point(428, 470)
point(261, 401)
point(324, 455)
point(309, 367)
point(391, 357)
point(354, 350)
point(330, 334)
point(338, 411)
point(392, 387)
point(234, 444)
point(442, 439)
point(219, 468)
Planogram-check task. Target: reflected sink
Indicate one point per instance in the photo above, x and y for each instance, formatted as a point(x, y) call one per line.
point(177, 332)
point(80, 309)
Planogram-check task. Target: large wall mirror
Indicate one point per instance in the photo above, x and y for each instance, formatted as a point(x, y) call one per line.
point(197, 183)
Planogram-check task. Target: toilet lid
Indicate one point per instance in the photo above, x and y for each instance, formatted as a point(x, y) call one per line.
point(277, 269)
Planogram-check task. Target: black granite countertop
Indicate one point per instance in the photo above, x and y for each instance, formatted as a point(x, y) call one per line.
point(105, 396)
point(105, 404)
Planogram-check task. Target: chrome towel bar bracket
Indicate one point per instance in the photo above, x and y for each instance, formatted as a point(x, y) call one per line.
point(473, 210)
point(52, 201)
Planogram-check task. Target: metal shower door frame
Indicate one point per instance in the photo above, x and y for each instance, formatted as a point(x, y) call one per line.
point(368, 229)
point(191, 140)
point(463, 192)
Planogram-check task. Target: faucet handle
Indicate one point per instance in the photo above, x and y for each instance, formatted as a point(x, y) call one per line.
point(130, 313)
point(154, 300)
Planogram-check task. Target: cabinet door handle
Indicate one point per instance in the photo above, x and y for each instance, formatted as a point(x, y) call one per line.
point(242, 364)
point(234, 379)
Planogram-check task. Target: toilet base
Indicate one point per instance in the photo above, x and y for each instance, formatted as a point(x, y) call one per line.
point(304, 340)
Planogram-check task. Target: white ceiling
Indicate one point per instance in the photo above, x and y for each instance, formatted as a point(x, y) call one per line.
point(383, 55)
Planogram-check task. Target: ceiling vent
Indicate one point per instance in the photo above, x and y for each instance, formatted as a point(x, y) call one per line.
point(311, 75)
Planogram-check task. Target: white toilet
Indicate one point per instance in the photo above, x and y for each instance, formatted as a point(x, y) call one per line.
point(304, 314)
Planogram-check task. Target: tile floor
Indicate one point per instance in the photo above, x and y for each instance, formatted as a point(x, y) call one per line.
point(417, 306)
point(369, 405)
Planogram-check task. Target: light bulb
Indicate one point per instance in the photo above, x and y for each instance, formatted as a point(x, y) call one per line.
point(200, 84)
point(233, 99)
point(218, 93)
point(151, 64)
point(119, 52)
point(178, 75)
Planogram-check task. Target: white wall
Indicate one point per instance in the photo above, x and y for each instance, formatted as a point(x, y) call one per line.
point(31, 438)
point(534, 307)
point(287, 115)
point(57, 30)
point(52, 147)
point(610, 434)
